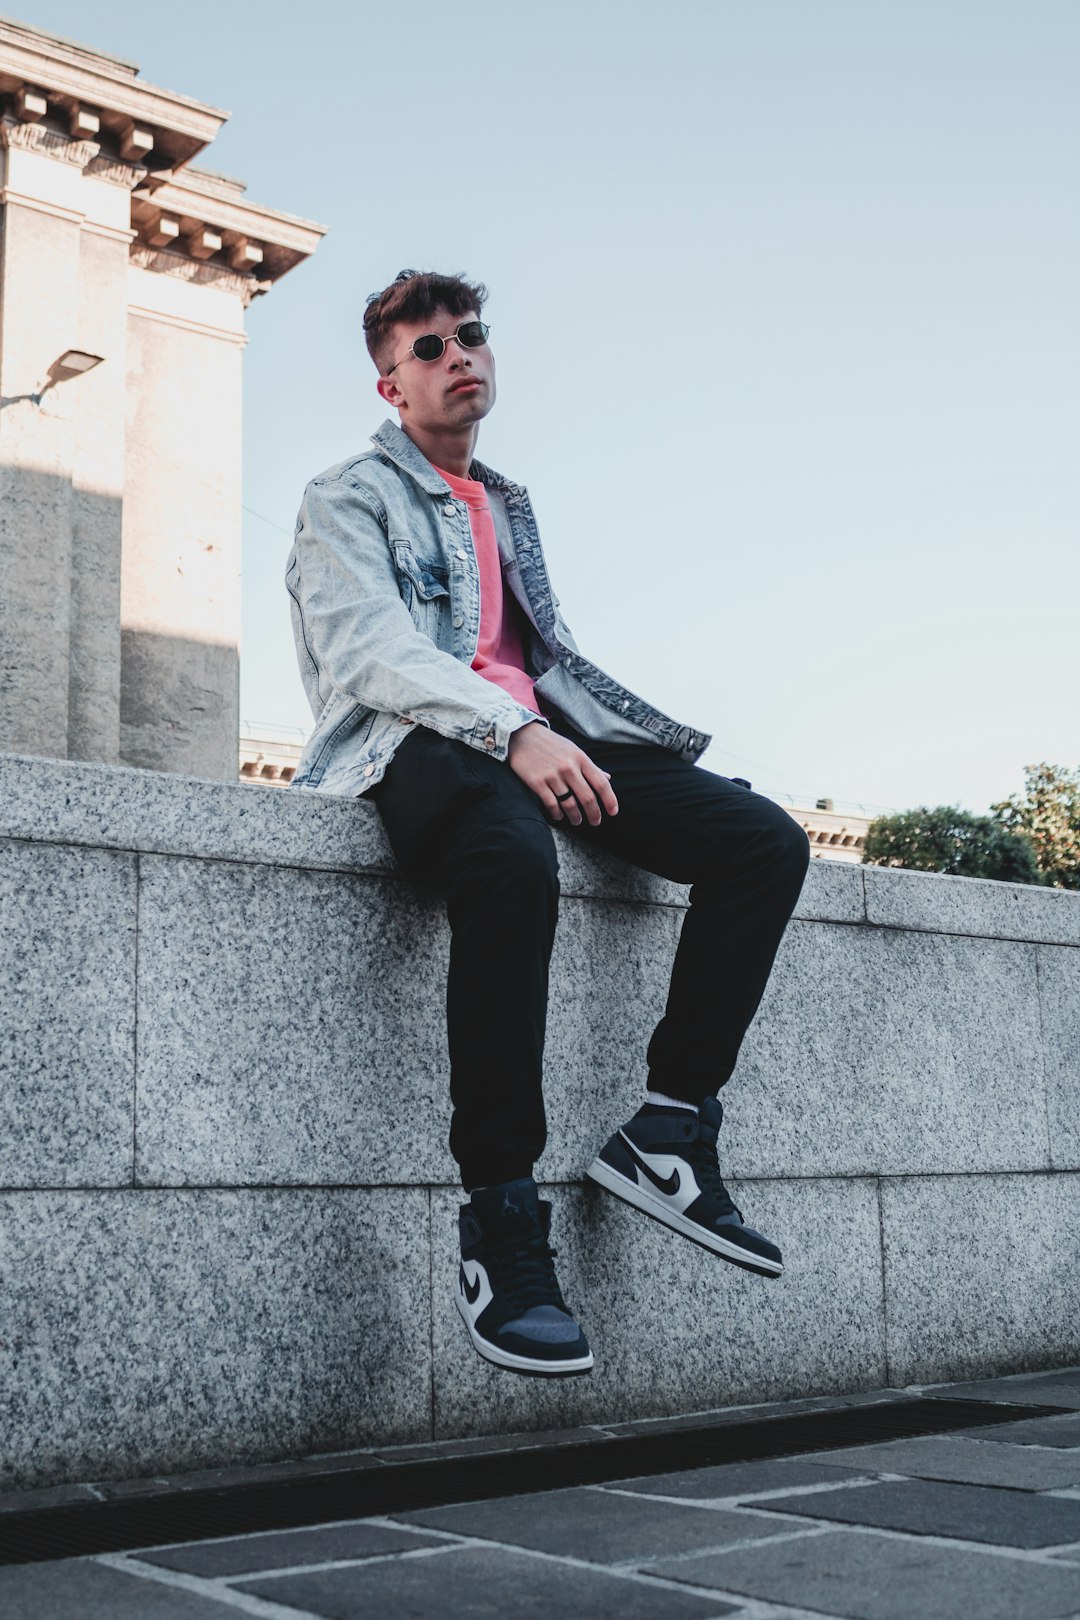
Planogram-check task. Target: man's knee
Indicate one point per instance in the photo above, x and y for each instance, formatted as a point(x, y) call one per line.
point(785, 841)
point(520, 852)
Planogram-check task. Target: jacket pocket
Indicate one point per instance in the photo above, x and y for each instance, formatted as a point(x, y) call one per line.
point(427, 580)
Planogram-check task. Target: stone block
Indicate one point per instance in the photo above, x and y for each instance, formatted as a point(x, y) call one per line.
point(1059, 1002)
point(880, 1052)
point(291, 1028)
point(966, 1461)
point(585, 872)
point(153, 1331)
point(874, 1577)
point(82, 1589)
point(1062, 1433)
point(735, 1482)
point(287, 1549)
point(954, 905)
point(980, 1274)
point(315, 1049)
point(832, 892)
point(931, 1507)
point(1058, 1387)
point(464, 1580)
point(672, 1328)
point(67, 1015)
point(119, 807)
point(599, 1527)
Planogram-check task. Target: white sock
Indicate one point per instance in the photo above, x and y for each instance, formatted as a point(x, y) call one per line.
point(669, 1102)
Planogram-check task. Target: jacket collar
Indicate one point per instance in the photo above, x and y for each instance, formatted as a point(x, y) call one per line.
point(396, 445)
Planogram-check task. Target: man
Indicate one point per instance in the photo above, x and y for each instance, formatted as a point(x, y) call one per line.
point(445, 683)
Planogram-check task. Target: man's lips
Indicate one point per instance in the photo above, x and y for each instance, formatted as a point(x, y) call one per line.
point(466, 382)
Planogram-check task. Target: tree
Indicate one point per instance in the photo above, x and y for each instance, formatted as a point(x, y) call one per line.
point(948, 839)
point(1048, 813)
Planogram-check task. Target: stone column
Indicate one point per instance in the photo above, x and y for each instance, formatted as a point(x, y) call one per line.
point(180, 594)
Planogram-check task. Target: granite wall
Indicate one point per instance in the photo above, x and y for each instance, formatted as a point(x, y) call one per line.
point(227, 1216)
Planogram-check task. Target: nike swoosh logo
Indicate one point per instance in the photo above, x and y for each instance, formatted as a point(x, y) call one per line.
point(470, 1290)
point(665, 1184)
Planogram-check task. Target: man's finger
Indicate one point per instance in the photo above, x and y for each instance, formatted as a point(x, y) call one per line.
point(585, 798)
point(601, 781)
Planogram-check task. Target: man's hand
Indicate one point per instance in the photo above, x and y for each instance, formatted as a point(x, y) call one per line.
point(553, 766)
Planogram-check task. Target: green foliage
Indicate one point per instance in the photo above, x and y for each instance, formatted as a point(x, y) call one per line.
point(1048, 813)
point(948, 839)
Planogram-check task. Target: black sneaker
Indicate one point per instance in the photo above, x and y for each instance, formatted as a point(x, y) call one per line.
point(663, 1161)
point(507, 1293)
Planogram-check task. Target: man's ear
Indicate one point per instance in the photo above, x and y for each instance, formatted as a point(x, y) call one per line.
point(389, 390)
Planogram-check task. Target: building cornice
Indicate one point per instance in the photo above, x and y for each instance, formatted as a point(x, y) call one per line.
point(163, 262)
point(199, 208)
point(74, 78)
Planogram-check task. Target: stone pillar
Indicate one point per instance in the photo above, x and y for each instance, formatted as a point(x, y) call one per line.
point(180, 595)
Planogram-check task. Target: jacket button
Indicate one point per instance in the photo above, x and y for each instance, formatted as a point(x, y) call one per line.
point(458, 622)
point(449, 510)
point(369, 770)
point(461, 555)
point(489, 741)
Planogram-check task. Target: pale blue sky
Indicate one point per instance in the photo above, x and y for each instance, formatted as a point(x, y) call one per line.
point(784, 307)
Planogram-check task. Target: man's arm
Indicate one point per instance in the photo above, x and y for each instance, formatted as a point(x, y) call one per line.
point(364, 637)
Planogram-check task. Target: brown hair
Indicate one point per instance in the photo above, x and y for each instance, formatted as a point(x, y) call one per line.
point(416, 295)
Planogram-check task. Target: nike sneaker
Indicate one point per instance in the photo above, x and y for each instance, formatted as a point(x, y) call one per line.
point(663, 1161)
point(507, 1292)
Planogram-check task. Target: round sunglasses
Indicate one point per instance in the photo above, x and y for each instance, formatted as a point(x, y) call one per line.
point(470, 335)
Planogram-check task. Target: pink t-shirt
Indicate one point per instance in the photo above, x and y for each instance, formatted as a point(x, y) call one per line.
point(500, 655)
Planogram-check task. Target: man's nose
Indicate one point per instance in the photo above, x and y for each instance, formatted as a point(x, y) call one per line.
point(456, 354)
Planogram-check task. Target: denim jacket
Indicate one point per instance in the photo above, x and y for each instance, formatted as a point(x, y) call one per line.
point(386, 611)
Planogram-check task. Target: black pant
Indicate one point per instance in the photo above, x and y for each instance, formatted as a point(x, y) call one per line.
point(468, 820)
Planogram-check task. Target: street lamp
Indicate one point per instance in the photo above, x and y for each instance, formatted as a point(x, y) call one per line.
point(72, 363)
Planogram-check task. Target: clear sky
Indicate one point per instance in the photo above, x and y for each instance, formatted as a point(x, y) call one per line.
point(784, 307)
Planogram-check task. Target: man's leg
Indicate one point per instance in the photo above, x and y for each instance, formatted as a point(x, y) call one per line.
point(745, 860)
point(469, 821)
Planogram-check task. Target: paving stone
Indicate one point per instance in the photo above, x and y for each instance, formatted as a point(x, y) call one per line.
point(870, 1577)
point(79, 1589)
point(1058, 1387)
point(596, 1525)
point(480, 1583)
point(248, 1555)
point(1051, 1431)
point(967, 1461)
point(930, 1508)
point(738, 1479)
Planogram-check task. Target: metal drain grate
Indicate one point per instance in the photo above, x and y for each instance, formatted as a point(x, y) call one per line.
point(180, 1516)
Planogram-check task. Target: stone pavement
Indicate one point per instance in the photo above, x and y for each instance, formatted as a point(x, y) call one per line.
point(982, 1524)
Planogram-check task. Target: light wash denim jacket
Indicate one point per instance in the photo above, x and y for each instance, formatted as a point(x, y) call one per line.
point(386, 611)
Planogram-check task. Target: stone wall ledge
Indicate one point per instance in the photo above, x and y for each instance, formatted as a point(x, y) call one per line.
point(117, 807)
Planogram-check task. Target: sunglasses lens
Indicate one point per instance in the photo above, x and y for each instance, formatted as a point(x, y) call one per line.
point(428, 347)
point(473, 334)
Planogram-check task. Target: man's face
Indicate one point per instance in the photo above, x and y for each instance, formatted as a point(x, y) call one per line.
point(456, 390)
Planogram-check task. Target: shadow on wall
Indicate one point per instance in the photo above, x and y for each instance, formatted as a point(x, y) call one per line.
point(72, 684)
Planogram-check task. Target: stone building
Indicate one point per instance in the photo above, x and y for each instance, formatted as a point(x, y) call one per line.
point(124, 277)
